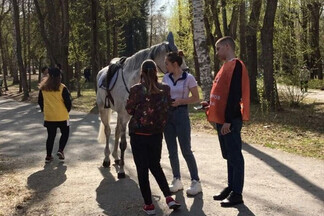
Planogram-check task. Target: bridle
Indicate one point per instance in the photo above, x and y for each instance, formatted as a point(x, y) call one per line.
point(168, 49)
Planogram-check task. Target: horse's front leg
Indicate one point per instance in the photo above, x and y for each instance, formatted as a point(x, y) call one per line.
point(123, 145)
point(117, 136)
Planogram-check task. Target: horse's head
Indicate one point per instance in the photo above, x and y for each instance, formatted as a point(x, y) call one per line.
point(163, 49)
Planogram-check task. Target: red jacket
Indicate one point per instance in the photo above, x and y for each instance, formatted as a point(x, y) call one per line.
point(220, 91)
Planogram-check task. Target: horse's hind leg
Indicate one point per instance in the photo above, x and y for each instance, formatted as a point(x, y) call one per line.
point(105, 115)
point(123, 145)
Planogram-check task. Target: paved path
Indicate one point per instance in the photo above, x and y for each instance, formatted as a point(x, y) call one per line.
point(276, 183)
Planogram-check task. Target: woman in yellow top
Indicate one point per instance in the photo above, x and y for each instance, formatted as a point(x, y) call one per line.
point(55, 102)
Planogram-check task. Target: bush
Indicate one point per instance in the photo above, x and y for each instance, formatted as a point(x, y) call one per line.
point(316, 84)
point(290, 90)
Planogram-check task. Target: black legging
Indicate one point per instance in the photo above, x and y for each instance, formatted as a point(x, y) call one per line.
point(51, 131)
point(147, 155)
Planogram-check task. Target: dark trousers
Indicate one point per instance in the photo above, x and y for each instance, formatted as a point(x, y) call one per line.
point(231, 146)
point(51, 132)
point(147, 155)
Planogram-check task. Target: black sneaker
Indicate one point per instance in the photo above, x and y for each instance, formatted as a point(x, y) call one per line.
point(232, 200)
point(48, 158)
point(60, 155)
point(222, 195)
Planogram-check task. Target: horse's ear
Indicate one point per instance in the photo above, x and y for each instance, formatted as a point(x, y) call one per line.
point(181, 53)
point(170, 39)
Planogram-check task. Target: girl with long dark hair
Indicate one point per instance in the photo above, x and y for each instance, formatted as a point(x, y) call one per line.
point(148, 103)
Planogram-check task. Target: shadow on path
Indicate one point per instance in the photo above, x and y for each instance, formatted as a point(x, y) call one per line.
point(42, 182)
point(244, 210)
point(286, 172)
point(196, 208)
point(118, 197)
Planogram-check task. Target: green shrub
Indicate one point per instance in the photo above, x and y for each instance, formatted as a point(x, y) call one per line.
point(316, 84)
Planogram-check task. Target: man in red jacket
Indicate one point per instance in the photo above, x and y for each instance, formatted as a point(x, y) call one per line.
point(229, 105)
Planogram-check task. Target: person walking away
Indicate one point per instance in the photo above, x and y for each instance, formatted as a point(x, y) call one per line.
point(87, 74)
point(178, 124)
point(55, 102)
point(230, 104)
point(304, 77)
point(148, 104)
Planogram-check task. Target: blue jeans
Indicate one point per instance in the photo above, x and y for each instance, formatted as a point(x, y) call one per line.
point(231, 147)
point(178, 125)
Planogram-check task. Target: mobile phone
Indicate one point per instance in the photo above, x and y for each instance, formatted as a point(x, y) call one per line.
point(199, 107)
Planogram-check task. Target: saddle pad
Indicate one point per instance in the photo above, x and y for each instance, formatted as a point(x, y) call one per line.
point(102, 81)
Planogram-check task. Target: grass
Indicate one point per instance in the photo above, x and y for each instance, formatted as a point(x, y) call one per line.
point(296, 130)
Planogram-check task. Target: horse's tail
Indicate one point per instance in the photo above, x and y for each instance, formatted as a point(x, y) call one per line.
point(102, 135)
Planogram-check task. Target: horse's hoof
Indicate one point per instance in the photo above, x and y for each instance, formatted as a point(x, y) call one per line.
point(106, 164)
point(117, 162)
point(121, 175)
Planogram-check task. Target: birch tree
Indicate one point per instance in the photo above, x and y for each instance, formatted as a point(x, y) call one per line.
point(201, 47)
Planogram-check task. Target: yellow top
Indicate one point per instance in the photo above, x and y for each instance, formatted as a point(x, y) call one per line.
point(54, 107)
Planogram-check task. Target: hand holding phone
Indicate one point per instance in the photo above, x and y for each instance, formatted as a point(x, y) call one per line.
point(202, 105)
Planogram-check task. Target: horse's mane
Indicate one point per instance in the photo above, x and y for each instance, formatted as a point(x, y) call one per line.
point(135, 61)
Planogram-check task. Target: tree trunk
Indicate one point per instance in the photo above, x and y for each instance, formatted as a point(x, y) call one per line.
point(114, 31)
point(315, 56)
point(195, 57)
point(232, 28)
point(304, 35)
point(224, 16)
point(43, 33)
point(242, 31)
point(65, 42)
point(78, 77)
point(267, 54)
point(201, 47)
point(218, 33)
point(4, 60)
point(252, 49)
point(19, 56)
point(107, 20)
point(2, 48)
point(94, 41)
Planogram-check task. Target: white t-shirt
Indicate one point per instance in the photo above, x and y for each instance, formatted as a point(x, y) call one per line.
point(180, 88)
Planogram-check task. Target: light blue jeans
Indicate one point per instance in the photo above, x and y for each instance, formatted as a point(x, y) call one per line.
point(178, 125)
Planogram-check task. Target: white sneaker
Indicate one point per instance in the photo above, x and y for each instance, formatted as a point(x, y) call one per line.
point(176, 185)
point(195, 188)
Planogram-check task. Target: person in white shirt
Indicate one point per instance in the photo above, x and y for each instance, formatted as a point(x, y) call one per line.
point(178, 125)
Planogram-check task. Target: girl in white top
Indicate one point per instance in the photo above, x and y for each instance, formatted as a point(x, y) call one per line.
point(178, 125)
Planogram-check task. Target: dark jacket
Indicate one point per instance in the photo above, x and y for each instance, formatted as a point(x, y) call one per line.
point(149, 111)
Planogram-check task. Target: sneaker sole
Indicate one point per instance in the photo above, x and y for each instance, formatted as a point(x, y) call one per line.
point(173, 205)
point(149, 212)
point(48, 161)
point(60, 156)
point(176, 190)
point(191, 195)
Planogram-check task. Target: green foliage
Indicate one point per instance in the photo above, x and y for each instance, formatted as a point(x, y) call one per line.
point(80, 32)
point(316, 84)
point(183, 31)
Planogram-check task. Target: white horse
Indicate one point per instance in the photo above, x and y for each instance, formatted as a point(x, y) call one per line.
point(129, 75)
